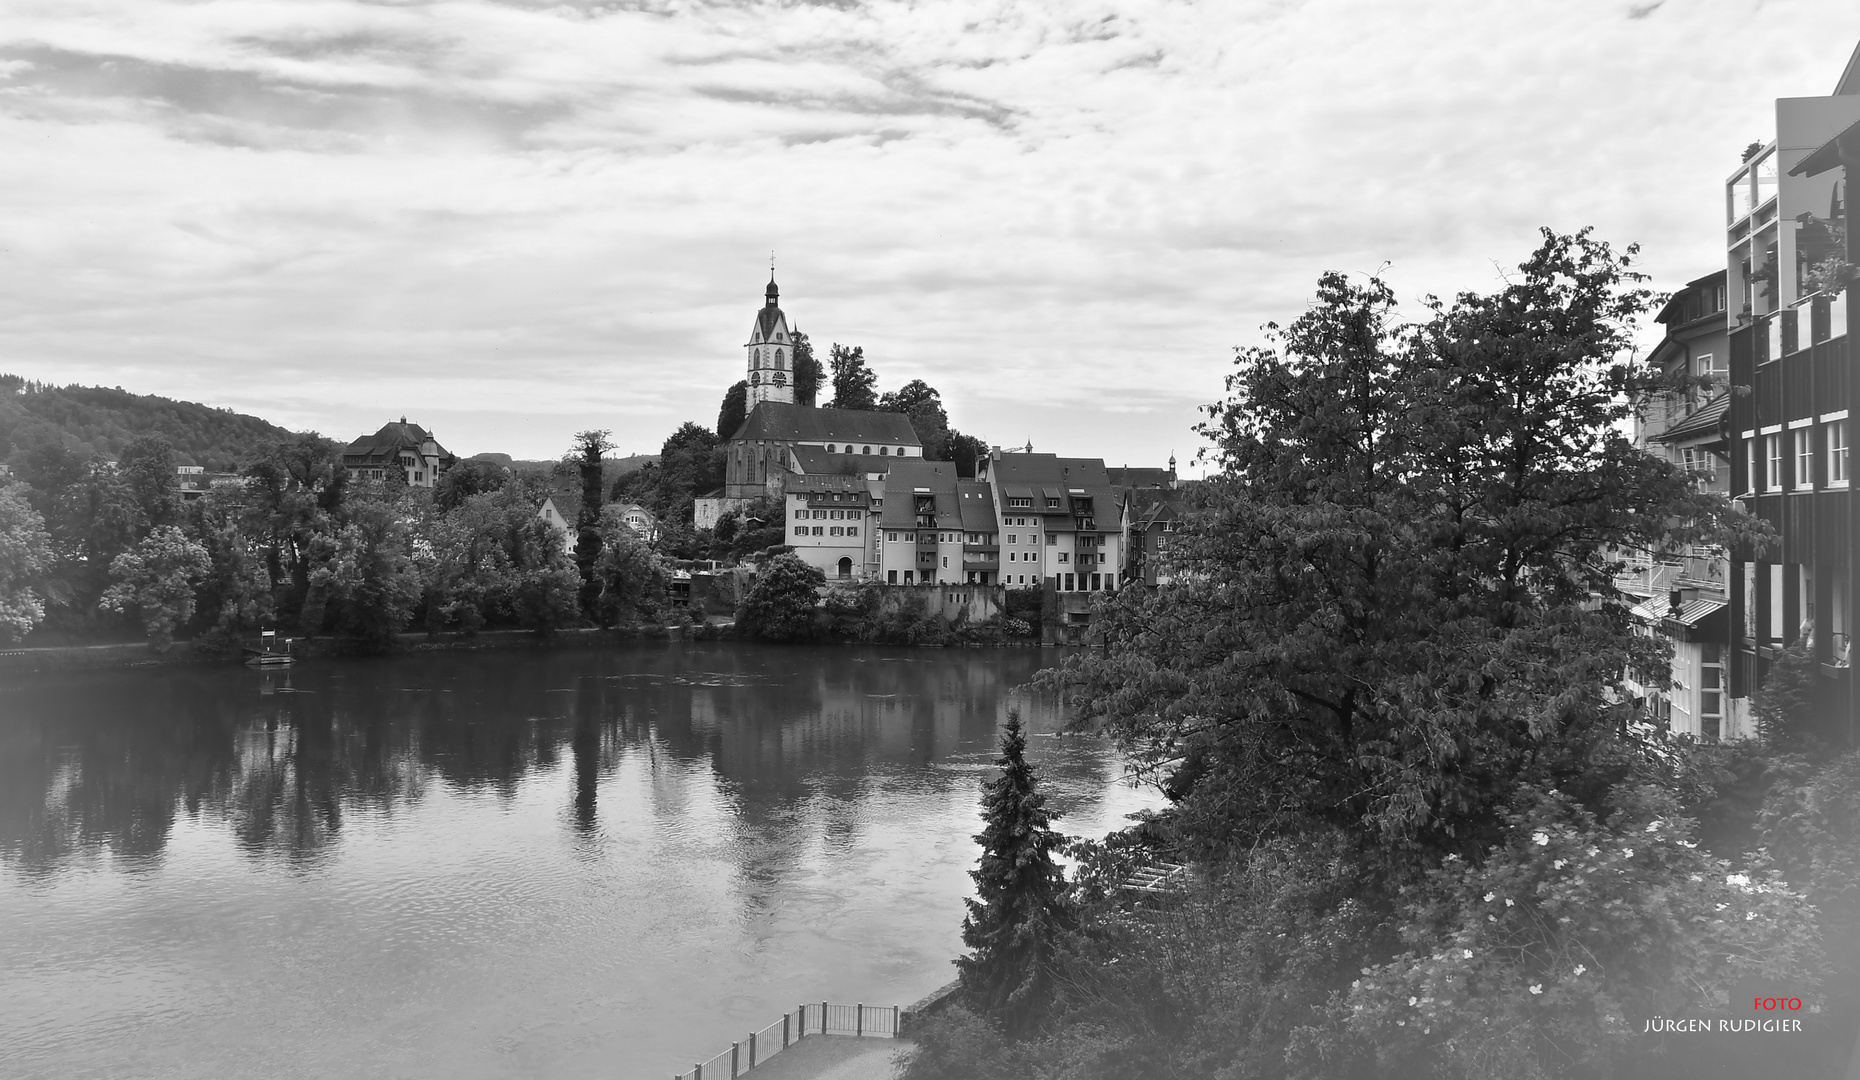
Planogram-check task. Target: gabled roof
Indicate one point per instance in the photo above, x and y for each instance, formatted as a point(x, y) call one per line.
point(786, 422)
point(565, 493)
point(1840, 150)
point(1850, 76)
point(765, 322)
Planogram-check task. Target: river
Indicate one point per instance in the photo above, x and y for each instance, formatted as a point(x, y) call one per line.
point(578, 863)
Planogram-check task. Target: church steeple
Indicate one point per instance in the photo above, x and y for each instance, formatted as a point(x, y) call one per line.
point(770, 351)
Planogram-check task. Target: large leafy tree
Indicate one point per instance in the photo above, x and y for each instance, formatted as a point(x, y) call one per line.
point(855, 385)
point(157, 578)
point(921, 402)
point(631, 577)
point(1018, 916)
point(589, 446)
point(363, 584)
point(1398, 599)
point(808, 373)
point(780, 605)
point(25, 556)
point(734, 410)
point(148, 471)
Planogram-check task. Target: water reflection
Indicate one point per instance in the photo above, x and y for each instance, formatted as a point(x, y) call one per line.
point(492, 864)
point(101, 764)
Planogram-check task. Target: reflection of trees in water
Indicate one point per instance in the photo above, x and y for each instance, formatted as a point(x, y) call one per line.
point(793, 738)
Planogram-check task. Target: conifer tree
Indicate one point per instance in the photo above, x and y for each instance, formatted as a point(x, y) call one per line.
point(1018, 915)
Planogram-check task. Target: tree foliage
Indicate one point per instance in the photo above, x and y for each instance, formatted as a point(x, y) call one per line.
point(157, 578)
point(632, 579)
point(921, 402)
point(808, 374)
point(1017, 916)
point(25, 556)
point(855, 386)
point(780, 606)
point(734, 410)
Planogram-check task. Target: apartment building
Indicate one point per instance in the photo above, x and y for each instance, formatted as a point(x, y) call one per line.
point(829, 524)
point(1789, 253)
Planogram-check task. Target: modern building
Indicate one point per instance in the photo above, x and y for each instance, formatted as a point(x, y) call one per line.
point(408, 450)
point(1791, 308)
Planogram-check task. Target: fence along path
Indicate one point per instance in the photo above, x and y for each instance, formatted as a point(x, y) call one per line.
point(825, 1018)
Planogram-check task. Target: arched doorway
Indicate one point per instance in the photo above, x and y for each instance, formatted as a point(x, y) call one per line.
point(845, 567)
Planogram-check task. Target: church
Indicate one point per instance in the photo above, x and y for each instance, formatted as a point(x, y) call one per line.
point(780, 438)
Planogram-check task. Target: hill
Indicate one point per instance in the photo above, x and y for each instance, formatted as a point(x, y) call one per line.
point(102, 420)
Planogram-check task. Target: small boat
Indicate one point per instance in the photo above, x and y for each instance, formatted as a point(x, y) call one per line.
point(272, 651)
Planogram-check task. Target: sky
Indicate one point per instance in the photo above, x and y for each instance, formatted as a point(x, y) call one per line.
point(514, 221)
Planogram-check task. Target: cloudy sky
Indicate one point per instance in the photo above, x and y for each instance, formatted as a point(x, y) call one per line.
point(512, 221)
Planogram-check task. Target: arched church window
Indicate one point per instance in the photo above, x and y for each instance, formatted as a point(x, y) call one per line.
point(829, 448)
point(756, 356)
point(883, 450)
point(779, 362)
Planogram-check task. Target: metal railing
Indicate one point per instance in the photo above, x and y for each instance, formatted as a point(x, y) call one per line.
point(825, 1018)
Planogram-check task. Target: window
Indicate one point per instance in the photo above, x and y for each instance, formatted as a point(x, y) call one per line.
point(1805, 457)
point(946, 562)
point(1052, 538)
point(891, 577)
point(817, 530)
point(800, 530)
point(1062, 556)
point(883, 450)
point(852, 530)
point(1837, 452)
point(1772, 454)
point(891, 538)
point(1011, 538)
point(867, 450)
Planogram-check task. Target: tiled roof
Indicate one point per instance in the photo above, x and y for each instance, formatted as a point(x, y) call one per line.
point(1048, 469)
point(1140, 477)
point(390, 440)
point(786, 422)
point(815, 459)
point(910, 478)
point(802, 484)
point(765, 321)
point(976, 505)
point(1704, 423)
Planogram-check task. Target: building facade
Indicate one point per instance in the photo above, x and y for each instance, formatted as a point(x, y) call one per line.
point(829, 524)
point(1790, 252)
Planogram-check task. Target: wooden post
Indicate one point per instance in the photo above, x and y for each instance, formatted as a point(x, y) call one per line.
point(784, 1031)
point(697, 1072)
point(802, 1033)
point(894, 1021)
point(823, 1018)
point(859, 1021)
point(733, 1047)
point(752, 1051)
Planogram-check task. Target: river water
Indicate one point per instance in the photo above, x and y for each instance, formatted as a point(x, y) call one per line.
point(580, 863)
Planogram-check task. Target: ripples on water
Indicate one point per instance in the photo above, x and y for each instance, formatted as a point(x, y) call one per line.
point(600, 863)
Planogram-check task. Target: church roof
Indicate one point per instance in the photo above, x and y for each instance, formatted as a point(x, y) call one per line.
point(765, 321)
point(786, 422)
point(815, 460)
point(1140, 477)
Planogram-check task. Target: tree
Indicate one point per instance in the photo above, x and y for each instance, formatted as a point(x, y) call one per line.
point(467, 478)
point(780, 605)
point(967, 452)
point(158, 577)
point(921, 402)
point(25, 556)
point(237, 591)
point(807, 373)
point(1399, 599)
point(1017, 916)
point(1785, 707)
point(855, 386)
point(632, 579)
point(147, 467)
point(363, 584)
point(735, 409)
point(589, 446)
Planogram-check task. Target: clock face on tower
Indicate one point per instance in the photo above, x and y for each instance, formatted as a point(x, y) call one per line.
point(755, 378)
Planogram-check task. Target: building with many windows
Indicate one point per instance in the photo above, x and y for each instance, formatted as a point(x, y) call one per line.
point(829, 524)
point(1790, 251)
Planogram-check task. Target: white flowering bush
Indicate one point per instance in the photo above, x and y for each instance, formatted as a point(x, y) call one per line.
point(1545, 956)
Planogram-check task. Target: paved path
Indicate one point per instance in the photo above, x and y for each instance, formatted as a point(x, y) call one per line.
point(832, 1057)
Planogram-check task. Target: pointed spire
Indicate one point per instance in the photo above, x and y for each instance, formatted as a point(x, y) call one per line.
point(772, 293)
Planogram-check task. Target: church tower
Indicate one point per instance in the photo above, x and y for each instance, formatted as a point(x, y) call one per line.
point(771, 352)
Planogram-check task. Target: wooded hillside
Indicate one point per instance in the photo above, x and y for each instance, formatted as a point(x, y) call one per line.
point(103, 420)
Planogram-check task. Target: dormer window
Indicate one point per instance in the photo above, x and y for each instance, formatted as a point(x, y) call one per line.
point(883, 450)
point(867, 450)
point(829, 448)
